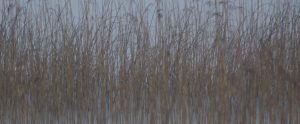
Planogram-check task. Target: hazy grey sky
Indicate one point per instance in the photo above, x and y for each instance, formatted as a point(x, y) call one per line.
point(207, 5)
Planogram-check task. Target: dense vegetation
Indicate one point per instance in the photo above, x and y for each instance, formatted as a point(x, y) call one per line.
point(127, 63)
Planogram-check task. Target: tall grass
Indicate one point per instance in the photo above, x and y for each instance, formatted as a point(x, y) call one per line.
point(126, 62)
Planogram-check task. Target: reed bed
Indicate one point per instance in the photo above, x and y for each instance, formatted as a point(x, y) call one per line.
point(131, 63)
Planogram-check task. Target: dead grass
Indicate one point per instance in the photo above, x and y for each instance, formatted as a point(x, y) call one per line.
point(116, 65)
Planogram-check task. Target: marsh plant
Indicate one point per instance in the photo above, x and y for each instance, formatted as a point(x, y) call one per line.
point(167, 63)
